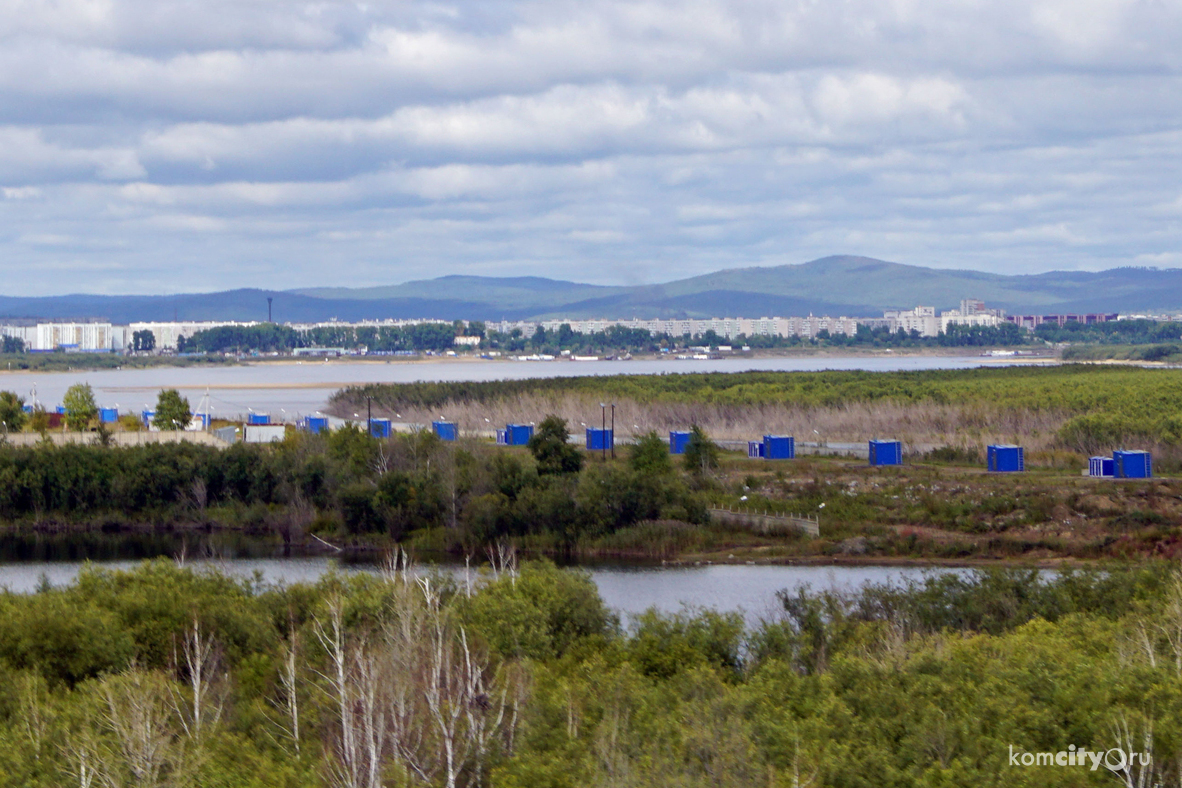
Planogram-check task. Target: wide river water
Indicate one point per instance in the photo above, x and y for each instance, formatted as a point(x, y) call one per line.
point(750, 589)
point(288, 390)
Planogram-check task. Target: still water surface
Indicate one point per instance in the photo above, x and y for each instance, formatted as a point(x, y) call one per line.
point(289, 390)
point(628, 590)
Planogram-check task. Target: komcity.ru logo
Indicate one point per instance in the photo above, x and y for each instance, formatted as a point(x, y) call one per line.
point(1115, 760)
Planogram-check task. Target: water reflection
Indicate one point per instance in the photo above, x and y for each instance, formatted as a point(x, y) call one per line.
point(627, 589)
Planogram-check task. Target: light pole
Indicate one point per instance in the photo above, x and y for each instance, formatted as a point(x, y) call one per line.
point(603, 432)
point(613, 430)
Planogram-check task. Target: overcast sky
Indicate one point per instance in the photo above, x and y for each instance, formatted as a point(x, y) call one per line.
point(180, 145)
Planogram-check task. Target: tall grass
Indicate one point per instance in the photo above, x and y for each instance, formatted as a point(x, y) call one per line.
point(1080, 408)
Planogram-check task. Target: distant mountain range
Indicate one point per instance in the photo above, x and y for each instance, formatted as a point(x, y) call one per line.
point(842, 285)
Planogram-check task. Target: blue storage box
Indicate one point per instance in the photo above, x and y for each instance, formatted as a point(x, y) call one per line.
point(886, 452)
point(1132, 464)
point(1005, 459)
point(515, 434)
point(599, 440)
point(1100, 467)
point(379, 428)
point(677, 441)
point(446, 430)
point(779, 447)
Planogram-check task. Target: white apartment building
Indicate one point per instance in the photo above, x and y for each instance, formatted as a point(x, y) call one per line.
point(727, 327)
point(89, 337)
point(923, 319)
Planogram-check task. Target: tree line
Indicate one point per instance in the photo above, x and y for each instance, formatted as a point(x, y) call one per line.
point(346, 484)
point(272, 337)
point(520, 676)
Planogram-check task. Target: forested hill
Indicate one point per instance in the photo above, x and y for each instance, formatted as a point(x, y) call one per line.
point(840, 285)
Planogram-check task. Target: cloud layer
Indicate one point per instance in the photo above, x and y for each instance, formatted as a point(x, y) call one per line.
point(171, 145)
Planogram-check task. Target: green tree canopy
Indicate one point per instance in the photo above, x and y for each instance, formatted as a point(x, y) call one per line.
point(143, 341)
point(650, 455)
point(550, 448)
point(80, 407)
point(701, 453)
point(172, 411)
point(12, 412)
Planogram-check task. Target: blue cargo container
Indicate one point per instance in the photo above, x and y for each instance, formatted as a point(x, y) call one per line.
point(1005, 459)
point(446, 430)
point(1100, 467)
point(379, 428)
point(755, 449)
point(886, 453)
point(60, 410)
point(600, 440)
point(1132, 464)
point(204, 418)
point(316, 424)
point(27, 408)
point(258, 419)
point(515, 434)
point(677, 442)
point(779, 447)
point(146, 417)
point(108, 415)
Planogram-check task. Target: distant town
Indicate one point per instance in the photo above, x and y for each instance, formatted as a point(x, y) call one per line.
point(95, 336)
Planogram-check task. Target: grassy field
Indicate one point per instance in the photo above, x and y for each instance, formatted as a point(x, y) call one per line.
point(1078, 408)
point(1166, 353)
point(64, 362)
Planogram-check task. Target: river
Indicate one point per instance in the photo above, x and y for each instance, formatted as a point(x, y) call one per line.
point(749, 589)
point(289, 390)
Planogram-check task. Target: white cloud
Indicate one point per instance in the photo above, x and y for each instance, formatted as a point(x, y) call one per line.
point(629, 140)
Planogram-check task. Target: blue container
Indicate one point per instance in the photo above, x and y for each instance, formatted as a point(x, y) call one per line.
point(27, 408)
point(258, 419)
point(519, 434)
point(204, 418)
point(146, 417)
point(60, 410)
point(316, 424)
point(600, 440)
point(677, 442)
point(108, 415)
point(1005, 459)
point(779, 447)
point(1132, 464)
point(755, 449)
point(446, 430)
point(1100, 467)
point(379, 428)
point(886, 453)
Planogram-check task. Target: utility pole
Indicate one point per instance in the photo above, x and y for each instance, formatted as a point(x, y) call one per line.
point(369, 416)
point(613, 430)
point(603, 432)
point(269, 309)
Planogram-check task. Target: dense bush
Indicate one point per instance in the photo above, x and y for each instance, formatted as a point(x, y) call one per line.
point(345, 683)
point(477, 492)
